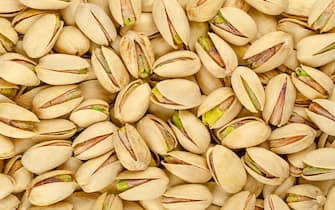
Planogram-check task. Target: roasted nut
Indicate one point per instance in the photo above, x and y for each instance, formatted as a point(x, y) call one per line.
point(321, 16)
point(273, 202)
point(202, 10)
point(9, 202)
point(125, 13)
point(108, 201)
point(46, 4)
point(8, 36)
point(10, 8)
point(7, 148)
point(240, 201)
point(269, 7)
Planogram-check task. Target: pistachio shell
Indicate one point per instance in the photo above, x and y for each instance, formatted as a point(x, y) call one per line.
point(46, 4)
point(108, 201)
point(243, 200)
point(22, 21)
point(9, 37)
point(7, 184)
point(57, 206)
point(321, 16)
point(10, 8)
point(273, 202)
point(9, 202)
point(207, 82)
point(60, 129)
point(202, 11)
point(274, 7)
point(281, 189)
point(6, 147)
point(329, 205)
point(125, 13)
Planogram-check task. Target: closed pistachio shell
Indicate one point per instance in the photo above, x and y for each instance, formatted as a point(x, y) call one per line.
point(8, 36)
point(243, 132)
point(316, 50)
point(94, 141)
point(132, 102)
point(93, 21)
point(46, 4)
point(226, 168)
point(234, 25)
point(51, 187)
point(248, 89)
point(219, 107)
point(177, 64)
point(72, 164)
point(42, 35)
point(108, 201)
point(202, 11)
point(265, 166)
point(273, 202)
point(216, 55)
point(18, 69)
point(24, 20)
point(207, 82)
point(97, 173)
point(7, 184)
point(10, 8)
point(171, 22)
point(269, 51)
point(16, 122)
point(176, 94)
point(125, 13)
point(329, 204)
point(243, 200)
point(280, 96)
point(187, 196)
point(10, 202)
point(60, 150)
point(69, 12)
point(265, 23)
point(7, 148)
point(291, 138)
point(142, 185)
point(56, 101)
point(321, 16)
point(274, 7)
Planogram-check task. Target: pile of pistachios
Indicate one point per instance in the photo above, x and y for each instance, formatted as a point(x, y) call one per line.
point(167, 104)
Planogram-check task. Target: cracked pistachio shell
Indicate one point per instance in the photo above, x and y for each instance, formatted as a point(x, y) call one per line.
point(160, 46)
point(243, 200)
point(89, 112)
point(9, 203)
point(62, 69)
point(132, 102)
point(159, 137)
point(321, 16)
point(59, 150)
point(7, 148)
point(296, 160)
point(273, 202)
point(94, 141)
point(153, 204)
point(191, 133)
point(175, 64)
point(18, 69)
point(234, 25)
point(108, 201)
point(253, 186)
point(201, 11)
point(316, 50)
point(265, 166)
point(305, 196)
point(109, 69)
point(58, 206)
point(219, 195)
point(265, 23)
point(243, 132)
point(226, 168)
point(56, 101)
point(319, 165)
point(8, 36)
point(291, 138)
point(51, 187)
point(8, 89)
point(187, 166)
point(69, 12)
point(93, 21)
point(269, 51)
point(131, 149)
point(72, 164)
point(279, 190)
point(322, 112)
point(274, 7)
point(187, 196)
point(330, 202)
point(216, 55)
point(25, 96)
point(219, 107)
point(137, 54)
point(280, 97)
point(248, 89)
point(42, 35)
point(171, 22)
point(93, 89)
point(17, 122)
point(7, 185)
point(10, 8)
point(312, 82)
point(46, 4)
point(24, 20)
point(299, 9)
point(97, 173)
point(326, 141)
point(176, 94)
point(299, 115)
point(19, 173)
point(207, 82)
point(125, 13)
point(82, 200)
point(142, 185)
point(197, 29)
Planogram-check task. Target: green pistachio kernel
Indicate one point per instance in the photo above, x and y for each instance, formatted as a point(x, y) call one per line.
point(122, 185)
point(292, 198)
point(212, 116)
point(219, 19)
point(176, 121)
point(97, 108)
point(309, 170)
point(206, 43)
point(65, 178)
point(156, 93)
point(83, 71)
point(301, 73)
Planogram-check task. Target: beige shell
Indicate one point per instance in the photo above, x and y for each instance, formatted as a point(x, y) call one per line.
point(22, 21)
point(274, 7)
point(273, 202)
point(9, 202)
point(7, 148)
point(113, 202)
point(10, 8)
point(316, 13)
point(7, 184)
point(45, 4)
point(329, 204)
point(203, 12)
point(207, 82)
point(9, 33)
point(243, 200)
point(116, 10)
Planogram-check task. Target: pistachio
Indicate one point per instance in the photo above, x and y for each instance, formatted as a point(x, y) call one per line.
point(273, 202)
point(10, 8)
point(25, 19)
point(108, 201)
point(240, 201)
point(8, 36)
point(7, 147)
point(202, 10)
point(46, 4)
point(269, 7)
point(125, 12)
point(9, 202)
point(321, 16)
point(207, 82)
point(8, 185)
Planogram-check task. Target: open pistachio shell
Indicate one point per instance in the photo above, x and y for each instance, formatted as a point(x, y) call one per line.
point(224, 166)
point(234, 25)
point(273, 202)
point(254, 186)
point(187, 196)
point(109, 69)
point(97, 173)
point(56, 101)
point(7, 184)
point(125, 13)
point(108, 201)
point(243, 132)
point(321, 16)
point(248, 89)
point(326, 141)
point(59, 150)
point(142, 185)
point(176, 94)
point(219, 107)
point(42, 35)
point(243, 200)
point(131, 149)
point(51, 187)
point(187, 166)
point(7, 148)
point(17, 122)
point(83, 200)
point(10, 202)
point(274, 7)
point(10, 8)
point(207, 82)
point(269, 51)
point(94, 141)
point(8, 36)
point(172, 22)
point(279, 190)
point(22, 21)
point(265, 166)
point(330, 204)
point(93, 21)
point(8, 89)
point(25, 95)
point(201, 11)
point(46, 4)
